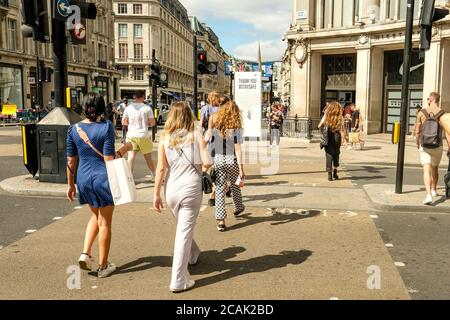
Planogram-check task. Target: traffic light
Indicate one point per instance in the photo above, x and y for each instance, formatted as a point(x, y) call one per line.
point(35, 16)
point(429, 14)
point(204, 66)
point(202, 60)
point(156, 71)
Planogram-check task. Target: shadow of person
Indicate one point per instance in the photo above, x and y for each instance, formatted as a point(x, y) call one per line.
point(278, 218)
point(252, 265)
point(270, 197)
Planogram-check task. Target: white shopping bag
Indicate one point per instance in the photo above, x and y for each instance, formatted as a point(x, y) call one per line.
point(121, 181)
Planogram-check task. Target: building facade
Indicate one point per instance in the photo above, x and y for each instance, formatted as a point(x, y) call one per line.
point(160, 25)
point(90, 66)
point(352, 51)
point(207, 40)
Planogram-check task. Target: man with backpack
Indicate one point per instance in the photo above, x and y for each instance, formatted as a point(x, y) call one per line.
point(429, 140)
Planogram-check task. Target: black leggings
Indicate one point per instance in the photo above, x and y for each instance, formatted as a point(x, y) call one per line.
point(333, 151)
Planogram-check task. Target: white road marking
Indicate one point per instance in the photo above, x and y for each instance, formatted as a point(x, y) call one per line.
point(57, 218)
point(314, 185)
point(374, 216)
point(399, 264)
point(203, 208)
point(1, 247)
point(389, 245)
point(78, 207)
point(381, 229)
point(334, 298)
point(413, 291)
point(30, 231)
point(324, 213)
point(94, 287)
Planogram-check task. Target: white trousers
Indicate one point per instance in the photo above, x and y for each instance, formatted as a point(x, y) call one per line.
point(186, 251)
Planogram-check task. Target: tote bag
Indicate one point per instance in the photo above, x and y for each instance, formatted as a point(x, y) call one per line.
point(120, 177)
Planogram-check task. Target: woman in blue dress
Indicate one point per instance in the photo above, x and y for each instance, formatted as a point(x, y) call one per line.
point(91, 143)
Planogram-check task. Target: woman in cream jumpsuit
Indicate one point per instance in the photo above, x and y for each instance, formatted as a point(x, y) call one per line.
point(181, 156)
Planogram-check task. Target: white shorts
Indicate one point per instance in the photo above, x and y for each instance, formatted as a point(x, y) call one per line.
point(431, 156)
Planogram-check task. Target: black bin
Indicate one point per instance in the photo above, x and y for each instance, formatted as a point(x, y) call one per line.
point(51, 134)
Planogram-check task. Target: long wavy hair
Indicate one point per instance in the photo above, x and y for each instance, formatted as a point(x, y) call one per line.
point(229, 117)
point(180, 124)
point(333, 116)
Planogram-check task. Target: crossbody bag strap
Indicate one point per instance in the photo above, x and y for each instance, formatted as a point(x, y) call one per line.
point(180, 153)
point(86, 140)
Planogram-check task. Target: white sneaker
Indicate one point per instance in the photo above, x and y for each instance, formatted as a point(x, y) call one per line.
point(188, 286)
point(278, 147)
point(428, 200)
point(270, 147)
point(434, 193)
point(85, 262)
point(110, 269)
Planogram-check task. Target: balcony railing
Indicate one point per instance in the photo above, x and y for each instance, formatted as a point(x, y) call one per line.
point(133, 60)
point(102, 64)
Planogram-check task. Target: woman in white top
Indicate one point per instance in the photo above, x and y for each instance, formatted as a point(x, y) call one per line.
point(181, 157)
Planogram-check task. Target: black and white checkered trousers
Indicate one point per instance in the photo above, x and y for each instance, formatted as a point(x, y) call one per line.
point(227, 169)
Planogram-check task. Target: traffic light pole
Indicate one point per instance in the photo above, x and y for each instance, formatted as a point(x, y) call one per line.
point(59, 41)
point(39, 91)
point(231, 84)
point(154, 96)
point(195, 77)
point(405, 96)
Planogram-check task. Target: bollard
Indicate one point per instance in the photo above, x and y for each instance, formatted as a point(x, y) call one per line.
point(296, 123)
point(396, 133)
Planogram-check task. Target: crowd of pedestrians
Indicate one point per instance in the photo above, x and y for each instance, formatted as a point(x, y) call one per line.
point(187, 151)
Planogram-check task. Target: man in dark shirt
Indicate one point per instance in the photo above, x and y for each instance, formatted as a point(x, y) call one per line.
point(355, 119)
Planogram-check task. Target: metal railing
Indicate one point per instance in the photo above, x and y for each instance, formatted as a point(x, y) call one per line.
point(297, 127)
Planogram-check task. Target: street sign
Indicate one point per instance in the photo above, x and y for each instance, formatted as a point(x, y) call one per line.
point(302, 15)
point(31, 80)
point(78, 33)
point(9, 110)
point(247, 88)
point(63, 7)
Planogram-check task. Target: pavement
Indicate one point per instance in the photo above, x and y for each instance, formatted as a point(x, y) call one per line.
point(301, 237)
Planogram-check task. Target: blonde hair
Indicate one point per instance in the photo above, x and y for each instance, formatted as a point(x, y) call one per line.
point(214, 98)
point(180, 124)
point(229, 117)
point(333, 116)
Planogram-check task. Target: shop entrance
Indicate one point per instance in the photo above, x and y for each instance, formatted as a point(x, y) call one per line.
point(393, 89)
point(339, 79)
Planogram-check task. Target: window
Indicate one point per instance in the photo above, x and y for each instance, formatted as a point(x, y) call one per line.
point(123, 30)
point(327, 14)
point(138, 74)
point(138, 52)
point(123, 50)
point(392, 9)
point(137, 8)
point(12, 35)
point(137, 30)
point(122, 8)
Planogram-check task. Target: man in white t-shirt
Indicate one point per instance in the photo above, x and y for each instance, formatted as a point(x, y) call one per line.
point(138, 117)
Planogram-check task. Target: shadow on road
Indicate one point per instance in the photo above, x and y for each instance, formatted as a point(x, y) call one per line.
point(276, 219)
point(271, 197)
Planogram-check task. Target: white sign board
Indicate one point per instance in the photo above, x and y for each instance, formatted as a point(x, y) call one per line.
point(302, 15)
point(247, 88)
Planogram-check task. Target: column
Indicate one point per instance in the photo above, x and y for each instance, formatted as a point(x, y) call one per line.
point(433, 69)
point(369, 87)
point(444, 87)
point(306, 7)
point(315, 93)
point(299, 87)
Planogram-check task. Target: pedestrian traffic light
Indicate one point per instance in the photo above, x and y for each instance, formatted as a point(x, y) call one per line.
point(429, 14)
point(35, 16)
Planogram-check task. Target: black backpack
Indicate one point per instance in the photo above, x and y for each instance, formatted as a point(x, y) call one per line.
point(431, 133)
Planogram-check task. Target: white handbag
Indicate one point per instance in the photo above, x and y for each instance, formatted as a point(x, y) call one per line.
point(120, 177)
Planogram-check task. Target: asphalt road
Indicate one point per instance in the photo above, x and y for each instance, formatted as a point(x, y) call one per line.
point(420, 241)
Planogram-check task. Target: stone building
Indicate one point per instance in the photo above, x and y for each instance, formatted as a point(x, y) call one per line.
point(90, 66)
point(160, 25)
point(352, 51)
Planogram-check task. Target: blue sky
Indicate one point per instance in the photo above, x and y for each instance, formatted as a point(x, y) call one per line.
point(242, 24)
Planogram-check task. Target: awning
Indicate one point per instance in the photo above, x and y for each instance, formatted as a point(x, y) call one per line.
point(168, 93)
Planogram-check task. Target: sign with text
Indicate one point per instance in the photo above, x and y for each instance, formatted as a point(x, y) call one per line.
point(302, 15)
point(247, 86)
point(9, 110)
